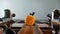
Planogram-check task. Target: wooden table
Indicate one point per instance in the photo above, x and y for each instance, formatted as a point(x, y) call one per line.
point(44, 27)
point(30, 30)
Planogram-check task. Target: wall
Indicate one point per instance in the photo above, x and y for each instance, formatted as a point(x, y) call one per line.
point(23, 7)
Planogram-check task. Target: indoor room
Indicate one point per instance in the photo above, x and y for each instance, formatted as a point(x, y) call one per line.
point(29, 16)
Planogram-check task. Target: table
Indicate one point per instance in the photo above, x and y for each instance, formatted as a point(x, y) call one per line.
point(44, 27)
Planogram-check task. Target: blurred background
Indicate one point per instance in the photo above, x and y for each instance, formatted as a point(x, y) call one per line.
point(23, 7)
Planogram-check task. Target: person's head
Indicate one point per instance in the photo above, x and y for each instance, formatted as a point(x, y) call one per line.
point(56, 10)
point(29, 20)
point(7, 13)
point(32, 13)
point(7, 10)
point(13, 15)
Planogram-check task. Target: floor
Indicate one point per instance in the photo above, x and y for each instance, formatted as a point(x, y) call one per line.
point(54, 32)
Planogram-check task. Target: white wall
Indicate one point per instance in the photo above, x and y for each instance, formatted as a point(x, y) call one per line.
point(24, 7)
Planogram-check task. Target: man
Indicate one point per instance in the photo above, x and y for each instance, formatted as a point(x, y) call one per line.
point(57, 20)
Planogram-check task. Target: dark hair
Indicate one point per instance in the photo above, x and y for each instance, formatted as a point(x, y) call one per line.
point(1, 19)
point(32, 13)
point(13, 15)
point(7, 13)
point(56, 10)
point(56, 13)
point(7, 10)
